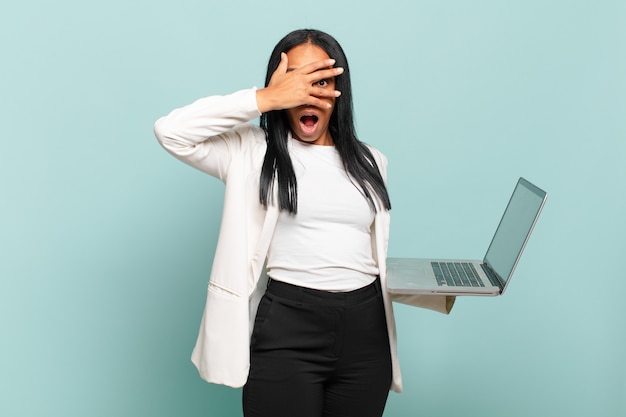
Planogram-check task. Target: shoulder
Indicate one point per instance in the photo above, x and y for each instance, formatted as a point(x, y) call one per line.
point(379, 157)
point(250, 130)
point(250, 137)
point(247, 145)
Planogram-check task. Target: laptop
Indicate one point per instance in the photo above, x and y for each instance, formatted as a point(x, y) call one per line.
point(489, 277)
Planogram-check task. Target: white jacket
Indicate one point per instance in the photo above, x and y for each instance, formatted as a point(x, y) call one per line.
point(214, 135)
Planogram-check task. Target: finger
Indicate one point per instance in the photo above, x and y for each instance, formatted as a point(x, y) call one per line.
point(280, 69)
point(322, 97)
point(318, 102)
point(317, 65)
point(324, 74)
point(283, 64)
point(322, 92)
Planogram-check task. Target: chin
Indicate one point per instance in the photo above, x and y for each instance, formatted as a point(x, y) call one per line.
point(307, 140)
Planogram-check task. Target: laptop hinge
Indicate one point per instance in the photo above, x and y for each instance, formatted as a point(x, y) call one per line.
point(493, 276)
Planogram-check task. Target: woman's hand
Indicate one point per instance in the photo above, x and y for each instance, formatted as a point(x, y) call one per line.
point(293, 87)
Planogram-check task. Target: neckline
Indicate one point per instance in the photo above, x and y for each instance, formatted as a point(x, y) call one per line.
point(311, 146)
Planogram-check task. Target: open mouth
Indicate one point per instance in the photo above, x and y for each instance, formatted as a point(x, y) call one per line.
point(308, 122)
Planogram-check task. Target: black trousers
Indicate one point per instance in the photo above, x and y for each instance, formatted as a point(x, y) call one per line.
point(318, 354)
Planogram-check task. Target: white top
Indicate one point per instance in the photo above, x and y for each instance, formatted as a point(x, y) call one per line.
point(327, 245)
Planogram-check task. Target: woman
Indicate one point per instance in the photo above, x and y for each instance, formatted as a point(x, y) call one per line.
point(305, 205)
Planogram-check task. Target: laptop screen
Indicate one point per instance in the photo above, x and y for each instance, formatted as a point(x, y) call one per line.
point(514, 229)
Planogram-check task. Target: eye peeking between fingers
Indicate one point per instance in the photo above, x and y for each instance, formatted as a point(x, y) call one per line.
point(322, 83)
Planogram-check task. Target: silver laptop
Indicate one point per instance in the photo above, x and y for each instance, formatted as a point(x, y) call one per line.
point(492, 275)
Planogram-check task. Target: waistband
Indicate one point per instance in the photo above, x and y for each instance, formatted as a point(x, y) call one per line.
point(313, 296)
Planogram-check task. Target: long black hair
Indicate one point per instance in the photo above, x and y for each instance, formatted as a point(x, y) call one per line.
point(355, 155)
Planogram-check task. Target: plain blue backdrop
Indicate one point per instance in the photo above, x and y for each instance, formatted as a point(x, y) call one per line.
point(106, 241)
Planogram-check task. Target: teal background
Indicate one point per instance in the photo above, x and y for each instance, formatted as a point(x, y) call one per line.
point(106, 241)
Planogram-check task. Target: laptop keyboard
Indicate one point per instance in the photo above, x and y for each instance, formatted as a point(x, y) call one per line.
point(456, 274)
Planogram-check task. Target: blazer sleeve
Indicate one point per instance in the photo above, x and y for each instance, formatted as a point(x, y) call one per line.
point(208, 132)
point(440, 303)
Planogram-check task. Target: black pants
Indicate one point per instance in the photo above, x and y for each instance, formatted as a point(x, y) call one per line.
point(318, 354)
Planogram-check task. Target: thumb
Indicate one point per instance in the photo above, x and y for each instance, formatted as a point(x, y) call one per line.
point(282, 65)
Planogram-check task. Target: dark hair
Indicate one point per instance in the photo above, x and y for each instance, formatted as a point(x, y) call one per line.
point(356, 157)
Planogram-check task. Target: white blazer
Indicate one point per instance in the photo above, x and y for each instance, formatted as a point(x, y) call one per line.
point(214, 135)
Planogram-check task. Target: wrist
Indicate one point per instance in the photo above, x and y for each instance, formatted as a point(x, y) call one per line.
point(263, 100)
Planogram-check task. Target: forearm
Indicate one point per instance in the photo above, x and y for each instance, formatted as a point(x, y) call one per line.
point(206, 118)
point(207, 133)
